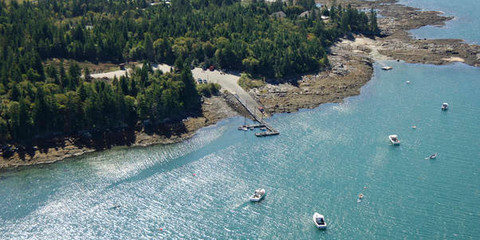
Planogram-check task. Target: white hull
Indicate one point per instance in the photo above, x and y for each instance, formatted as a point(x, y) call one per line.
point(445, 106)
point(386, 68)
point(394, 139)
point(258, 195)
point(319, 217)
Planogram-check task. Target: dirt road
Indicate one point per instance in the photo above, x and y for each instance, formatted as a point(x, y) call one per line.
point(228, 81)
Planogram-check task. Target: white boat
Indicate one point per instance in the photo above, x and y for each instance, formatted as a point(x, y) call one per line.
point(408, 82)
point(319, 221)
point(433, 156)
point(386, 68)
point(394, 139)
point(444, 106)
point(258, 195)
point(243, 128)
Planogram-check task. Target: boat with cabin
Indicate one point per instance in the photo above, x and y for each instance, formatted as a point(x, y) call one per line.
point(258, 195)
point(319, 221)
point(394, 139)
point(445, 106)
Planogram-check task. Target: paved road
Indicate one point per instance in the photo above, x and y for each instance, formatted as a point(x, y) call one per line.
point(227, 81)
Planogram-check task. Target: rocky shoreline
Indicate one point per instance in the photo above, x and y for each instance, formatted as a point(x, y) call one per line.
point(352, 59)
point(214, 109)
point(352, 67)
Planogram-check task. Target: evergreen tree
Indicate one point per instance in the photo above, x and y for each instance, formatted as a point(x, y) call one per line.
point(41, 113)
point(374, 30)
point(224, 33)
point(86, 73)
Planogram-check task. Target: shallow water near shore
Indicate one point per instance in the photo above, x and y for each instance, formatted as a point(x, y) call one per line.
point(464, 26)
point(320, 163)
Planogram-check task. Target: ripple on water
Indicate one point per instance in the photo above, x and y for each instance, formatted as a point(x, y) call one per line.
point(322, 160)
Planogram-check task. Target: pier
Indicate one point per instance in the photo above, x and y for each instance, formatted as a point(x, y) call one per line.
point(258, 118)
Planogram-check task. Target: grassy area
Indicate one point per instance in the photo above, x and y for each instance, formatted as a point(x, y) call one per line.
point(208, 90)
point(246, 82)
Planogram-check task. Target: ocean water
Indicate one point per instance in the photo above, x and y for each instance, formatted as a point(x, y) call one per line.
point(323, 159)
point(464, 26)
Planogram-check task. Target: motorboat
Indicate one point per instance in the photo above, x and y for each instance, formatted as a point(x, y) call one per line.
point(387, 68)
point(319, 221)
point(360, 197)
point(444, 106)
point(243, 128)
point(263, 128)
point(408, 82)
point(258, 195)
point(394, 139)
point(433, 156)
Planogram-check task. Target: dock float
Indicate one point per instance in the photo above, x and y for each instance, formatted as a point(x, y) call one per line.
point(266, 134)
point(270, 130)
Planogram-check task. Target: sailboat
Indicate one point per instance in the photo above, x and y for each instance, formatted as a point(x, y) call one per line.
point(244, 126)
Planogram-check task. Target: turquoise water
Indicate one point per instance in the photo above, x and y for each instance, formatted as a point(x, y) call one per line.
point(464, 26)
point(320, 163)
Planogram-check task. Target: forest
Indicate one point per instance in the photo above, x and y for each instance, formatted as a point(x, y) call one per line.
point(38, 101)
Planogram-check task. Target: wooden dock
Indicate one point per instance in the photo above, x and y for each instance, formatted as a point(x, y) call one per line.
point(258, 125)
point(266, 134)
point(261, 122)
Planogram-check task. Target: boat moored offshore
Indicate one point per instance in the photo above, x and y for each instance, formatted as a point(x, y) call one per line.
point(444, 106)
point(387, 68)
point(258, 195)
point(394, 139)
point(319, 221)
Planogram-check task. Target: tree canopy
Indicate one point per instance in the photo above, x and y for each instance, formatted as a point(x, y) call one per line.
point(38, 100)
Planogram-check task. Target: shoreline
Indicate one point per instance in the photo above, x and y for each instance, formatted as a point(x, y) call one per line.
point(214, 109)
point(351, 68)
point(352, 59)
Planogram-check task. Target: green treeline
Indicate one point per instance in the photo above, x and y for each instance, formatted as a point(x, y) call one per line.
point(38, 100)
point(42, 110)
